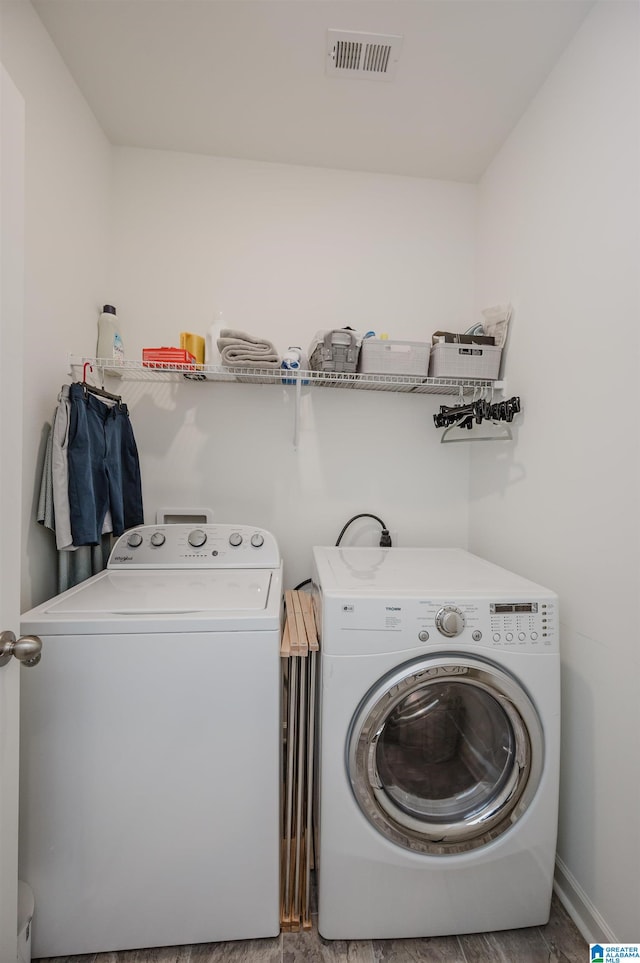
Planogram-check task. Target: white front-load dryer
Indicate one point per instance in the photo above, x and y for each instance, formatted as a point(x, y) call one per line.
point(439, 744)
point(150, 746)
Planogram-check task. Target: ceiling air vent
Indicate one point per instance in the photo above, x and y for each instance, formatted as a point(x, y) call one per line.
point(371, 56)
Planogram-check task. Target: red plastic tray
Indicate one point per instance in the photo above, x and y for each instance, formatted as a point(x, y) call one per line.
point(178, 358)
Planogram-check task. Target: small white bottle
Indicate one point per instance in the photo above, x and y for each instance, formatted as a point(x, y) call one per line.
point(212, 354)
point(294, 359)
point(290, 362)
point(110, 344)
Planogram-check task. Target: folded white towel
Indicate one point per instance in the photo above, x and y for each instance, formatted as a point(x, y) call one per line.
point(241, 350)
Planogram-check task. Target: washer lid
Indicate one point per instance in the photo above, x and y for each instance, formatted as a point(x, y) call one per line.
point(181, 592)
point(178, 601)
point(414, 571)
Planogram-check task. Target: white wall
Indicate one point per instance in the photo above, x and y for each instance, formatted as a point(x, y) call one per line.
point(558, 234)
point(67, 184)
point(284, 251)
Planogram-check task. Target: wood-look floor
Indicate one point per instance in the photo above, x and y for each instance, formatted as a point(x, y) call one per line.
point(557, 942)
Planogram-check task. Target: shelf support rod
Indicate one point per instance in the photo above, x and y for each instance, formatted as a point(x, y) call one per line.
point(296, 413)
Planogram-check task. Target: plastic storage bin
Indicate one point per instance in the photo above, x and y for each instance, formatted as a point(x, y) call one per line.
point(379, 356)
point(465, 361)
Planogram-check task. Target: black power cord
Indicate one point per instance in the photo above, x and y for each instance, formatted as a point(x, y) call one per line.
point(385, 537)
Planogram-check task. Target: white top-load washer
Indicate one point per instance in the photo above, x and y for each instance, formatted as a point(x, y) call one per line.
point(150, 746)
point(439, 744)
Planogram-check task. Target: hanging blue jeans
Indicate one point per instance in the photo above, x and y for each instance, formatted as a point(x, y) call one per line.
point(104, 470)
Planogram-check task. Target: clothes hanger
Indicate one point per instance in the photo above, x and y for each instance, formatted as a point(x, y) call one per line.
point(458, 420)
point(503, 434)
point(93, 389)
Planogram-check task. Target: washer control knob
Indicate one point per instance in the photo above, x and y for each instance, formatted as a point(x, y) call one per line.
point(235, 539)
point(197, 538)
point(134, 540)
point(257, 540)
point(158, 538)
point(450, 621)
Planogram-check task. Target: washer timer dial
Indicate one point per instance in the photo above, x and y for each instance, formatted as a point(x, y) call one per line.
point(450, 621)
point(197, 538)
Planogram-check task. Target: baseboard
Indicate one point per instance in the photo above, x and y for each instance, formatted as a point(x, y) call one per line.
point(579, 907)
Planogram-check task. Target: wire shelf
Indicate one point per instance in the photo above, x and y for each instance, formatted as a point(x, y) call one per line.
point(165, 372)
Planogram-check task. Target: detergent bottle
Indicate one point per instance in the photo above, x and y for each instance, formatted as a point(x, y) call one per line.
point(110, 345)
point(212, 354)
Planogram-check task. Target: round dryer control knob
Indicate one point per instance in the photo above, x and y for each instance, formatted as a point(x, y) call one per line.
point(450, 621)
point(157, 539)
point(197, 537)
point(235, 539)
point(257, 540)
point(134, 540)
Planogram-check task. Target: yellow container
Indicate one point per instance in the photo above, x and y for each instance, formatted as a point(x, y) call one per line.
point(193, 343)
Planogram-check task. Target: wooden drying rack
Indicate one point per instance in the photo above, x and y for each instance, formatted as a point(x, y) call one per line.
point(299, 652)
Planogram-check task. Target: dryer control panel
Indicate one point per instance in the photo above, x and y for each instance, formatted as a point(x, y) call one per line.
point(191, 546)
point(518, 624)
point(357, 625)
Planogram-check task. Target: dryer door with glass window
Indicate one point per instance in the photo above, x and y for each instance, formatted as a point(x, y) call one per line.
point(445, 754)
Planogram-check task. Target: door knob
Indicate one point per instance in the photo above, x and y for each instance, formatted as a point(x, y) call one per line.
point(27, 649)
